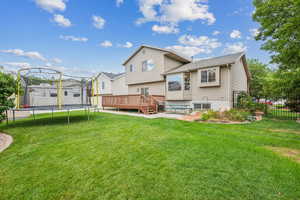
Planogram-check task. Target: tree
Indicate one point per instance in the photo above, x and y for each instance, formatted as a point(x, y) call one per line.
point(259, 74)
point(280, 30)
point(8, 87)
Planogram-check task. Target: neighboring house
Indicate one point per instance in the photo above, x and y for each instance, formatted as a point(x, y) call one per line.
point(109, 84)
point(44, 94)
point(203, 84)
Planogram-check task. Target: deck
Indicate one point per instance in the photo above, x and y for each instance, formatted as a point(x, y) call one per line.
point(145, 104)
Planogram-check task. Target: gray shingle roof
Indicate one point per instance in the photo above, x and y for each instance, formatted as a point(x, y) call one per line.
point(112, 75)
point(210, 62)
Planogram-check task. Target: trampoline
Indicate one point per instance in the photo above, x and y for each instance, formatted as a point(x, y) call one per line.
point(42, 89)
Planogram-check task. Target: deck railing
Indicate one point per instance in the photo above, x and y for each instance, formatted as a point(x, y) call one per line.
point(132, 101)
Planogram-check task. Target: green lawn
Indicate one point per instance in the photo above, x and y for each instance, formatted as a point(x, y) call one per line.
point(283, 114)
point(122, 157)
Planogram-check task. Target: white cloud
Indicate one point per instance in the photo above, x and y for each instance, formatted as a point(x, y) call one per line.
point(106, 43)
point(216, 33)
point(174, 11)
point(57, 60)
point(235, 34)
point(73, 38)
point(119, 2)
point(235, 48)
point(127, 45)
point(18, 64)
point(192, 45)
point(62, 21)
point(203, 41)
point(254, 32)
point(98, 22)
point(51, 5)
point(187, 50)
point(29, 54)
point(165, 29)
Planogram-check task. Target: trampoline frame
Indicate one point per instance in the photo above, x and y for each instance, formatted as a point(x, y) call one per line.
point(59, 88)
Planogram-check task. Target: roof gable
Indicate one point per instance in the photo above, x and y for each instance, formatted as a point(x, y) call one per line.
point(109, 75)
point(170, 53)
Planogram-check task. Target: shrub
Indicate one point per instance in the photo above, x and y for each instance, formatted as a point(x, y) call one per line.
point(237, 115)
point(7, 89)
point(232, 115)
point(293, 105)
point(210, 114)
point(245, 102)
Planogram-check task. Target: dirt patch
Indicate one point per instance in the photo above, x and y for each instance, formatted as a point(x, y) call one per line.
point(5, 141)
point(287, 152)
point(284, 131)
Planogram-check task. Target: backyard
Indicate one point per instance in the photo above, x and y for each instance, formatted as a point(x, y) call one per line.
point(121, 157)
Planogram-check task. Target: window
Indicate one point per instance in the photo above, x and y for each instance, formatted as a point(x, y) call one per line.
point(103, 85)
point(174, 82)
point(76, 95)
point(187, 81)
point(208, 76)
point(53, 94)
point(147, 65)
point(202, 106)
point(145, 91)
point(131, 68)
point(66, 93)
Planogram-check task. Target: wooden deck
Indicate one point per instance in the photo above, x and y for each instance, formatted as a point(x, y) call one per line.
point(145, 104)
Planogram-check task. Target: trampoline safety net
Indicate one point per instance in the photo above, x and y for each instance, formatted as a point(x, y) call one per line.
point(43, 89)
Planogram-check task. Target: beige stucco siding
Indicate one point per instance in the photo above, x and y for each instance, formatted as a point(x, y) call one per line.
point(156, 88)
point(239, 77)
point(137, 76)
point(119, 86)
point(221, 93)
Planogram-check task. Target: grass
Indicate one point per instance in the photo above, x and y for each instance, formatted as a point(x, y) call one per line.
point(122, 157)
point(283, 114)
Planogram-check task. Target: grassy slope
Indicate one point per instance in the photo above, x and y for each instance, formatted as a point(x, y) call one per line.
point(121, 157)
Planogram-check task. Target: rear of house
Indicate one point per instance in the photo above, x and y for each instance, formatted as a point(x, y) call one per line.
point(207, 84)
point(178, 81)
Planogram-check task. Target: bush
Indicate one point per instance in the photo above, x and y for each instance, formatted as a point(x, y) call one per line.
point(232, 115)
point(237, 115)
point(293, 105)
point(8, 87)
point(245, 102)
point(210, 114)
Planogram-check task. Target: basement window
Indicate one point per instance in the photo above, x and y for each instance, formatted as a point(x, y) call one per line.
point(76, 95)
point(202, 106)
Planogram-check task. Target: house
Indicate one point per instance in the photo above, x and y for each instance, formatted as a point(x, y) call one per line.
point(203, 84)
point(108, 84)
point(45, 94)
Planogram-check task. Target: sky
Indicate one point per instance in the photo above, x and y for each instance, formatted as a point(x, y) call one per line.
point(84, 37)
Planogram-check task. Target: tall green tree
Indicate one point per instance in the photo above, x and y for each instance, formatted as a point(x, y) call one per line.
point(259, 79)
point(8, 87)
point(280, 31)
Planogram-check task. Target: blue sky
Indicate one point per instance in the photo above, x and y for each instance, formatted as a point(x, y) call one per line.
point(89, 36)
